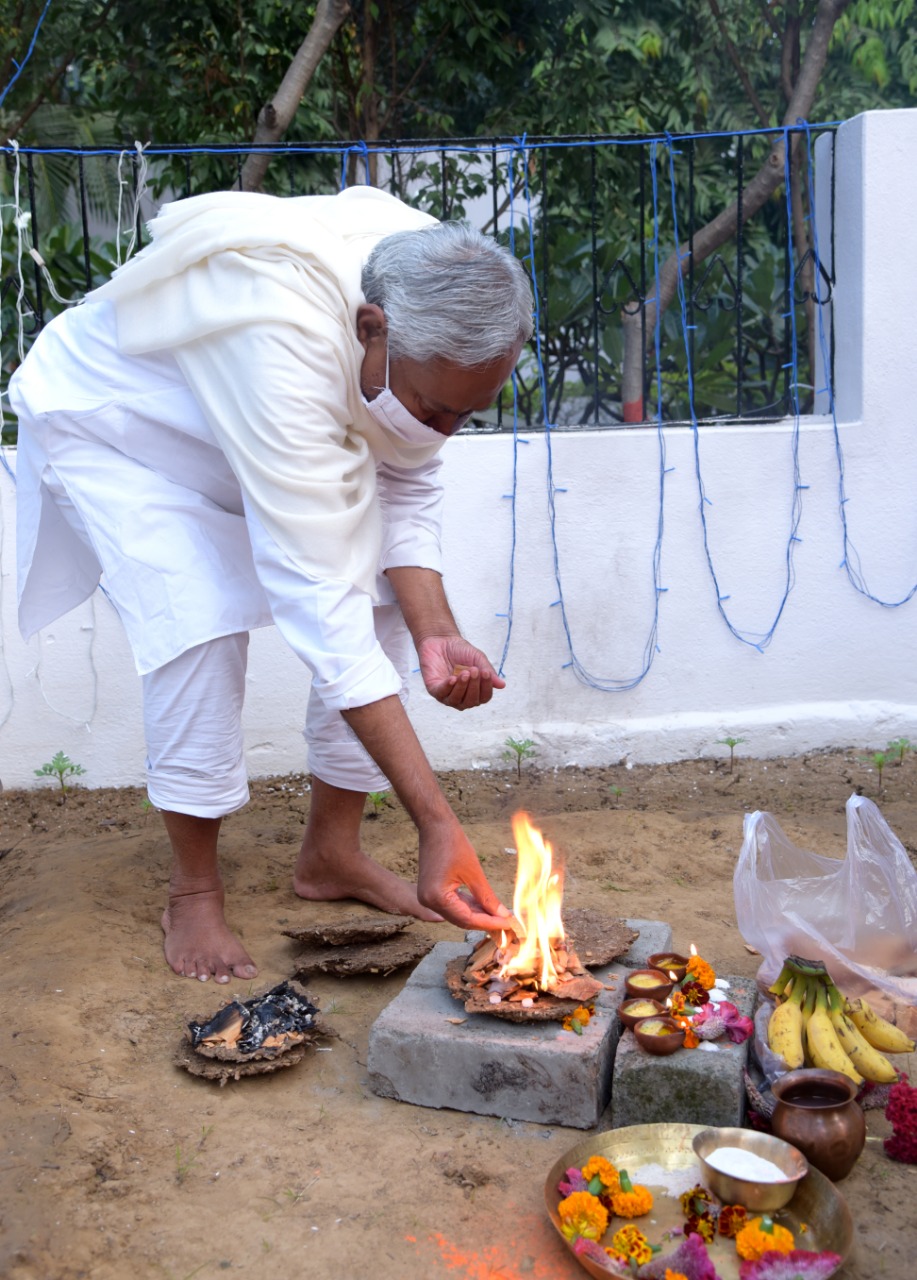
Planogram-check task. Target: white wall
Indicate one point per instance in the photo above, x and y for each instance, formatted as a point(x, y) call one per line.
point(840, 669)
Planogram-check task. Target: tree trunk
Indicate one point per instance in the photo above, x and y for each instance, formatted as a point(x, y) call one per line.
point(275, 116)
point(724, 226)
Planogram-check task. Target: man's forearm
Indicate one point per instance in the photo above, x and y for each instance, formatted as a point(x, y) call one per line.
point(423, 602)
point(387, 734)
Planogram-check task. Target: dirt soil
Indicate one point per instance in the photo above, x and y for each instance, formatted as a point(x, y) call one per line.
point(116, 1164)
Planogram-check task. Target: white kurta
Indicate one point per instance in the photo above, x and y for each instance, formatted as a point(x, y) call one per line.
point(233, 478)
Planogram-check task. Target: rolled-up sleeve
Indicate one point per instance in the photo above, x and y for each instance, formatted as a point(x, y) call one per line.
point(327, 623)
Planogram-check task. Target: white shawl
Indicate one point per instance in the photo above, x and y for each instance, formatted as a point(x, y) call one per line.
point(256, 296)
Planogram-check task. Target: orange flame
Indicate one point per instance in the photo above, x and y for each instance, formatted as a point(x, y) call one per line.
point(536, 904)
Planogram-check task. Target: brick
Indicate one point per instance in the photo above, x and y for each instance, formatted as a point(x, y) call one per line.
point(692, 1086)
point(655, 936)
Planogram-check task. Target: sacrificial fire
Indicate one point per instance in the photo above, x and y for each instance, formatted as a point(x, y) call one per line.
point(532, 959)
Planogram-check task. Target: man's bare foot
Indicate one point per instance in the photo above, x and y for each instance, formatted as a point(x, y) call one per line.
point(199, 943)
point(325, 879)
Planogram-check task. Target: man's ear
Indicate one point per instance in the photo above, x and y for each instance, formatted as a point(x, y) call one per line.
point(371, 325)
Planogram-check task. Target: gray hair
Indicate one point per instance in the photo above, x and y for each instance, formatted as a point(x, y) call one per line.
point(449, 293)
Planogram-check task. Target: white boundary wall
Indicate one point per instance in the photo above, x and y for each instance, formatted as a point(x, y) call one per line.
point(841, 670)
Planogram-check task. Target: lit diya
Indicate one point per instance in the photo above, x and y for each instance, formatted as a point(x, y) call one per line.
point(530, 971)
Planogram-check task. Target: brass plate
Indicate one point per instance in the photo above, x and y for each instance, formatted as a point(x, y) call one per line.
point(817, 1202)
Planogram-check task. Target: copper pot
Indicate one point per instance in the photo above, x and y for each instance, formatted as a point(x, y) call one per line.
point(818, 1114)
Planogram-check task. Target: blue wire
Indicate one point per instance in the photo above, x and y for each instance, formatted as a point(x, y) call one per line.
point(851, 560)
point(21, 66)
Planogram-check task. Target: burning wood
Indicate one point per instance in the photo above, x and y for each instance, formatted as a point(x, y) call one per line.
point(531, 969)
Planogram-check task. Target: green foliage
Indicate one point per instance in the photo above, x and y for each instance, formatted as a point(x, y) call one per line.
point(731, 743)
point(378, 800)
point(878, 760)
point(898, 747)
point(518, 750)
point(60, 766)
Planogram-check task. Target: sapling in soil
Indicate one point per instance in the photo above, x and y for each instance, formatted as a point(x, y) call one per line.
point(898, 749)
point(731, 743)
point(60, 766)
point(518, 750)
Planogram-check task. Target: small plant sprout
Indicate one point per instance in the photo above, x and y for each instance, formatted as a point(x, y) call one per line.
point(898, 749)
point(61, 767)
point(378, 800)
point(616, 793)
point(878, 760)
point(731, 743)
point(518, 750)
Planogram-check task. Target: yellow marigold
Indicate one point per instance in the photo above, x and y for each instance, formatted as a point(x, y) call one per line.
point(762, 1235)
point(702, 972)
point(632, 1243)
point(582, 1015)
point(677, 1003)
point(582, 1215)
point(599, 1167)
point(631, 1201)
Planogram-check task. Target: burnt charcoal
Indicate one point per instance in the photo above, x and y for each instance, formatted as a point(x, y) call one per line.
point(281, 1013)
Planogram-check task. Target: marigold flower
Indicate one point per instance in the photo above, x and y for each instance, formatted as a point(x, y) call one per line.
point(702, 972)
point(732, 1219)
point(604, 1170)
point(581, 1214)
point(677, 1003)
point(695, 1200)
point(763, 1235)
point(674, 1275)
point(631, 1201)
point(695, 994)
point(632, 1243)
point(700, 1224)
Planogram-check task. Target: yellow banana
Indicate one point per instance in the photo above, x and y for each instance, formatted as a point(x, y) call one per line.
point(784, 1027)
point(808, 1004)
point(866, 1059)
point(825, 1049)
point(880, 1033)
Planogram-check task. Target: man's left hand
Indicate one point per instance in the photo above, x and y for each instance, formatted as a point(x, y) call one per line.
point(456, 673)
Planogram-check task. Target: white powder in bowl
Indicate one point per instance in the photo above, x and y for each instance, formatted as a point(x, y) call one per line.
point(738, 1163)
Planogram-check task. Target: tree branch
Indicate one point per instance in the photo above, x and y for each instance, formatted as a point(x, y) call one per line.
point(724, 226)
point(739, 65)
point(275, 116)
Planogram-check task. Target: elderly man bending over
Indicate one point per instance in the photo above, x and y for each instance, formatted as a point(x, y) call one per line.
point(243, 427)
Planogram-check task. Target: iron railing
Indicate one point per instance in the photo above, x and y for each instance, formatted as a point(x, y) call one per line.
point(594, 218)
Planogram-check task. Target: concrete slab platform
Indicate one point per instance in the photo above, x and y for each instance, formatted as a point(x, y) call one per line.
point(692, 1086)
point(420, 1053)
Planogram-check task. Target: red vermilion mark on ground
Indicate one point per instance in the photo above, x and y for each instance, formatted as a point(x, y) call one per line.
point(530, 1254)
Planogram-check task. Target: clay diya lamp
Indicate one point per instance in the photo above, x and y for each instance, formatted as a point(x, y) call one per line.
point(670, 962)
point(652, 984)
point(659, 1035)
point(631, 1011)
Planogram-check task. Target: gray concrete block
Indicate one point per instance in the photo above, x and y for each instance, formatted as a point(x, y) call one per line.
point(655, 936)
point(692, 1086)
point(486, 1065)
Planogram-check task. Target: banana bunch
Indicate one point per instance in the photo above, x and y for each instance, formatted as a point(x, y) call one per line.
point(814, 1025)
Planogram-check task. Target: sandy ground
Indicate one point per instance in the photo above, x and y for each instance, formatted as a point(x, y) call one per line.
point(114, 1163)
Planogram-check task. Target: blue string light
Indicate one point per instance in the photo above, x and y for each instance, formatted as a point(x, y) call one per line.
point(20, 66)
point(851, 561)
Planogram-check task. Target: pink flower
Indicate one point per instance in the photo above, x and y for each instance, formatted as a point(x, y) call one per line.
point(902, 1112)
point(799, 1264)
point(738, 1028)
point(690, 1258)
point(572, 1180)
point(592, 1250)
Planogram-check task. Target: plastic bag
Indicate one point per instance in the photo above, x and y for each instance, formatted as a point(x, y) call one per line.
point(857, 914)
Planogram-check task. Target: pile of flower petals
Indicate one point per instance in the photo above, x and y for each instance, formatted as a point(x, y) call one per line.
point(901, 1111)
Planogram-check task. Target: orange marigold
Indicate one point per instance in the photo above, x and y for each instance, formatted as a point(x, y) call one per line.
point(582, 1215)
point(674, 1275)
point(631, 1201)
point(731, 1220)
point(702, 972)
point(763, 1235)
point(604, 1170)
point(631, 1241)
